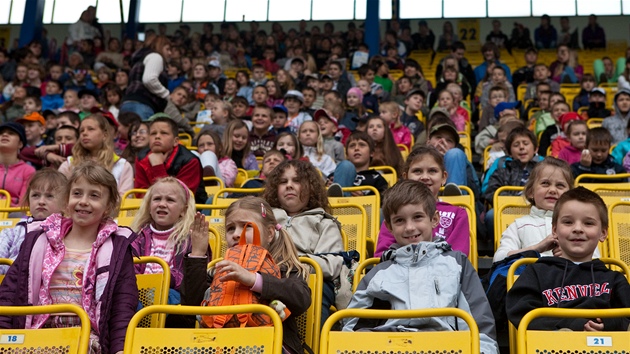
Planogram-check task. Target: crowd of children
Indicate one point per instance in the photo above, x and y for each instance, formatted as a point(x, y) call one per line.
point(71, 152)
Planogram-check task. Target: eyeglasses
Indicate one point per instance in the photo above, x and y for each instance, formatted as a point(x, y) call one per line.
point(140, 132)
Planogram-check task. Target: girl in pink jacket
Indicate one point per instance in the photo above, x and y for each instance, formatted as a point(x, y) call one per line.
point(14, 172)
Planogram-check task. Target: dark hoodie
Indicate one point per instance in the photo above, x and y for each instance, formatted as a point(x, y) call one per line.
point(617, 123)
point(558, 282)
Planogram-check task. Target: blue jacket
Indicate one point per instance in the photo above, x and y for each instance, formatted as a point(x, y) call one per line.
point(52, 102)
point(480, 71)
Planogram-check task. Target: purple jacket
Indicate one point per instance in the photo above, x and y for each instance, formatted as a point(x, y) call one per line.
point(453, 227)
point(118, 302)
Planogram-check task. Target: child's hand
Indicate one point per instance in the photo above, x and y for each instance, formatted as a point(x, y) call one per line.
point(199, 236)
point(586, 159)
point(157, 158)
point(592, 326)
point(557, 251)
point(548, 243)
point(235, 272)
point(55, 159)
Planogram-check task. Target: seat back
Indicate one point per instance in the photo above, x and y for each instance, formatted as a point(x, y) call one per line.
point(361, 270)
point(464, 140)
point(533, 341)
point(241, 177)
point(216, 222)
point(153, 290)
point(619, 235)
point(131, 201)
point(388, 172)
point(473, 256)
point(504, 216)
point(372, 206)
point(247, 340)
point(5, 202)
point(510, 279)
point(461, 342)
point(309, 323)
point(68, 340)
point(468, 199)
point(185, 139)
point(603, 179)
point(212, 190)
point(353, 219)
point(6, 222)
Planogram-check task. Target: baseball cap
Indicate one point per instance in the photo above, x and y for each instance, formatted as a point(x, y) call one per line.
point(107, 115)
point(215, 63)
point(324, 113)
point(505, 105)
point(415, 92)
point(325, 77)
point(446, 127)
point(84, 92)
point(280, 108)
point(295, 94)
point(16, 127)
point(33, 117)
point(438, 110)
point(568, 117)
point(598, 90)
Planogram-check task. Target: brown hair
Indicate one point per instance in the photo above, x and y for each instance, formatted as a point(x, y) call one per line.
point(218, 145)
point(515, 133)
point(528, 190)
point(386, 153)
point(46, 179)
point(312, 184)
point(104, 155)
point(599, 136)
point(582, 195)
point(408, 192)
point(96, 175)
point(298, 147)
point(421, 151)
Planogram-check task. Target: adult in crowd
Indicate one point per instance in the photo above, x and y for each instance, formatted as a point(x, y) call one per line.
point(568, 35)
point(424, 39)
point(83, 28)
point(566, 69)
point(147, 92)
point(111, 56)
point(593, 36)
point(458, 51)
point(491, 54)
point(447, 38)
point(496, 36)
point(545, 35)
point(520, 38)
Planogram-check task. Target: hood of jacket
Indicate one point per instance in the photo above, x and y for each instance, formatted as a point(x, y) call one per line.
point(617, 111)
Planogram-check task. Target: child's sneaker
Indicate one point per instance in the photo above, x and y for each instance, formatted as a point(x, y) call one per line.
point(451, 190)
point(335, 190)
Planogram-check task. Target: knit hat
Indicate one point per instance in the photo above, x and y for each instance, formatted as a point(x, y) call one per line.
point(568, 117)
point(357, 92)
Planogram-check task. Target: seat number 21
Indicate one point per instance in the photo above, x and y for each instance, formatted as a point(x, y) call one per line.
point(599, 341)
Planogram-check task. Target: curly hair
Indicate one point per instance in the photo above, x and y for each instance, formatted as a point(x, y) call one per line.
point(313, 187)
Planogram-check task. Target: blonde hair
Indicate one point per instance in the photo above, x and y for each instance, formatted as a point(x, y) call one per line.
point(181, 231)
point(319, 148)
point(104, 155)
point(395, 109)
point(281, 248)
point(96, 175)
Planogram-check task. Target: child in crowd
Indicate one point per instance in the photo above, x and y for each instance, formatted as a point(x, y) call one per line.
point(415, 261)
point(14, 108)
point(369, 101)
point(562, 140)
point(622, 148)
point(312, 143)
point(34, 128)
point(97, 145)
point(293, 101)
point(458, 115)
point(498, 146)
point(43, 198)
point(213, 159)
point(55, 154)
point(552, 132)
point(390, 113)
point(113, 97)
point(289, 145)
point(125, 121)
point(297, 195)
point(67, 252)
point(261, 137)
point(577, 133)
point(354, 106)
point(260, 96)
point(496, 95)
point(595, 159)
point(616, 124)
point(403, 86)
point(498, 78)
point(587, 85)
point(548, 181)
point(541, 75)
point(163, 225)
point(310, 95)
point(270, 161)
point(504, 112)
point(579, 224)
point(413, 104)
point(426, 165)
point(88, 99)
point(168, 158)
point(328, 127)
point(274, 93)
point(596, 104)
point(138, 145)
point(53, 98)
point(291, 288)
point(386, 153)
point(32, 104)
point(244, 88)
point(279, 122)
point(356, 170)
point(71, 101)
point(541, 119)
point(222, 114)
point(15, 171)
point(237, 145)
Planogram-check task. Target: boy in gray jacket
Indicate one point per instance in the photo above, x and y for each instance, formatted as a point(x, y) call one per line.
point(420, 272)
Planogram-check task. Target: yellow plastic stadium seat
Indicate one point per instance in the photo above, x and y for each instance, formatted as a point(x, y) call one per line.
point(212, 190)
point(504, 216)
point(533, 341)
point(486, 157)
point(569, 91)
point(594, 122)
point(531, 112)
point(216, 223)
point(611, 91)
point(126, 215)
point(464, 140)
point(372, 206)
point(309, 323)
point(388, 172)
point(185, 139)
point(5, 261)
point(5, 198)
point(361, 271)
point(69, 340)
point(5, 221)
point(259, 160)
point(131, 201)
point(153, 290)
point(468, 198)
point(403, 148)
point(353, 219)
point(521, 90)
point(473, 256)
point(619, 231)
point(259, 340)
point(603, 178)
point(510, 279)
point(241, 177)
point(461, 342)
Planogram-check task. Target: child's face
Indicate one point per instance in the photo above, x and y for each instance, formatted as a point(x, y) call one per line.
point(414, 103)
point(19, 94)
point(427, 171)
point(30, 106)
point(43, 202)
point(358, 152)
point(497, 97)
point(327, 84)
point(240, 139)
point(290, 193)
point(404, 86)
point(34, 131)
point(91, 135)
point(450, 75)
point(457, 95)
point(541, 73)
point(260, 95)
point(411, 224)
point(364, 86)
point(269, 163)
point(179, 97)
point(543, 102)
point(271, 88)
point(279, 120)
point(596, 97)
point(376, 130)
point(240, 109)
point(577, 136)
point(522, 149)
point(261, 120)
point(445, 100)
point(167, 204)
point(65, 136)
point(235, 224)
point(309, 98)
point(9, 139)
point(369, 76)
point(623, 102)
point(353, 100)
point(286, 143)
point(258, 74)
point(327, 127)
point(56, 72)
point(558, 110)
point(230, 87)
point(599, 152)
point(549, 186)
point(578, 230)
point(209, 102)
point(33, 74)
point(51, 121)
point(52, 88)
point(88, 102)
point(588, 85)
point(103, 76)
point(205, 143)
point(87, 204)
point(112, 97)
point(308, 133)
point(293, 105)
point(140, 137)
point(161, 138)
point(498, 76)
point(531, 57)
point(387, 115)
